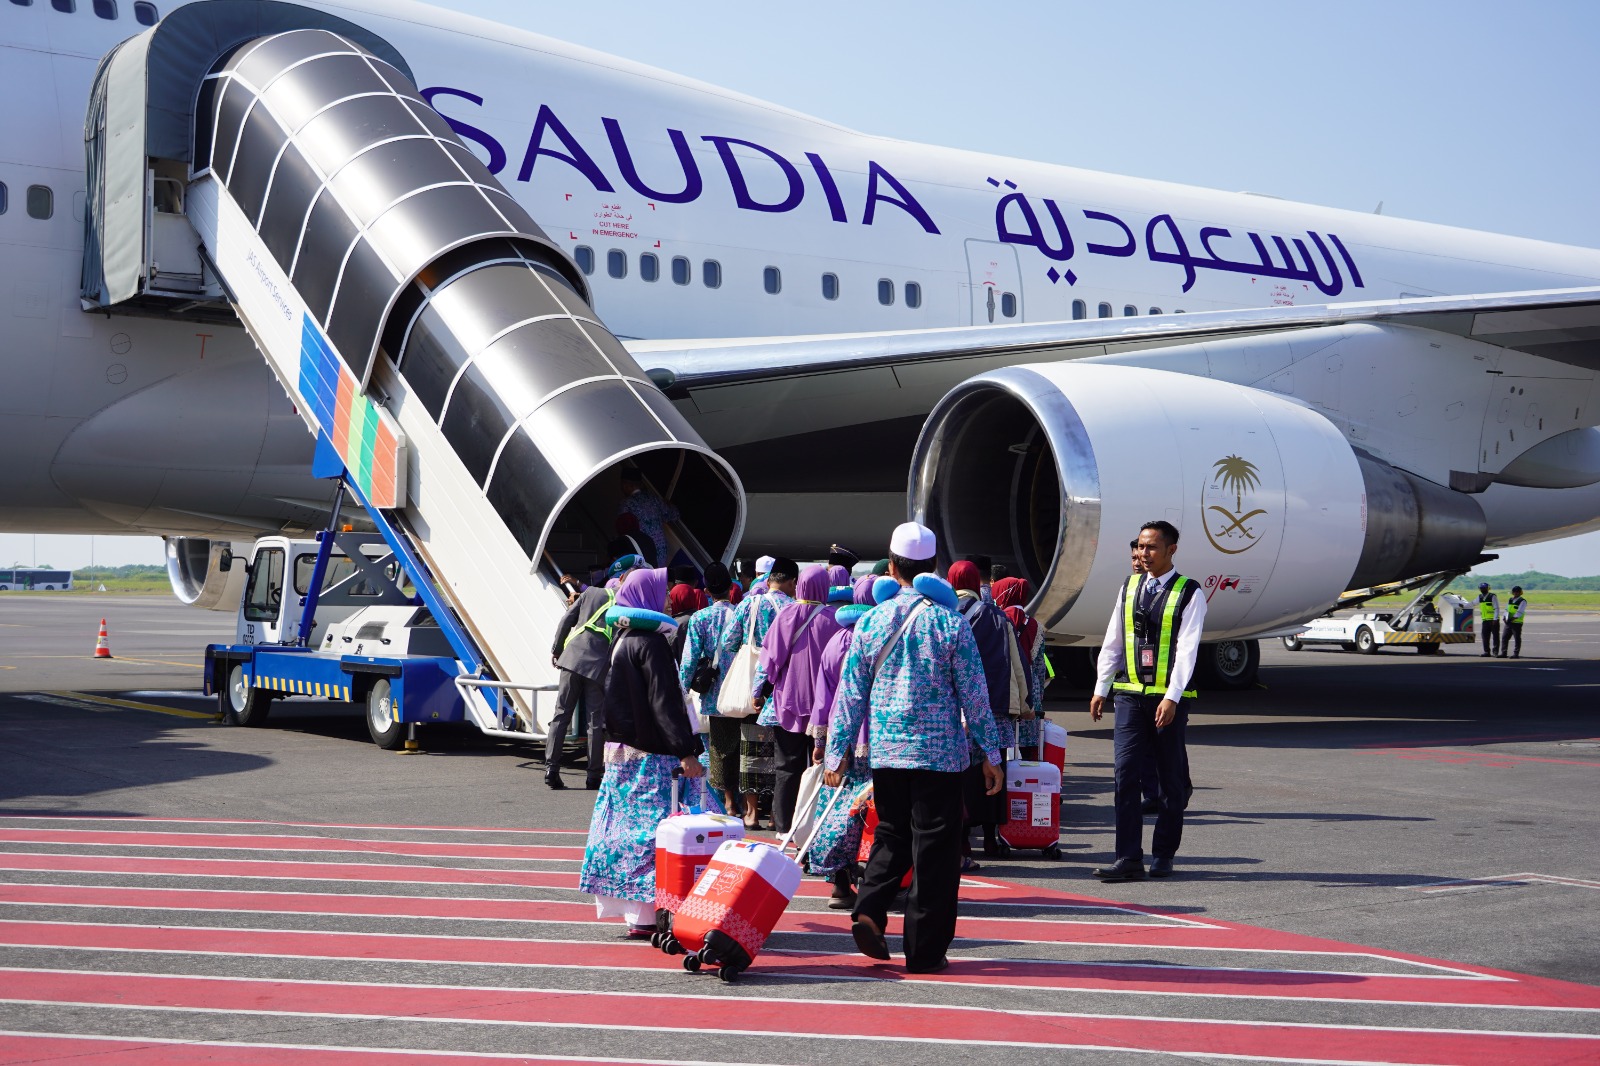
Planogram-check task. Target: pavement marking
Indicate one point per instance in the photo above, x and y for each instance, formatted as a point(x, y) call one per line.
point(83, 701)
point(141, 819)
point(1468, 884)
point(309, 844)
point(1495, 760)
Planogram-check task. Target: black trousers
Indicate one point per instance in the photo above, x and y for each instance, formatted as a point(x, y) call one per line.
point(919, 828)
point(791, 756)
point(576, 691)
point(1491, 636)
point(1513, 630)
point(1136, 742)
point(982, 808)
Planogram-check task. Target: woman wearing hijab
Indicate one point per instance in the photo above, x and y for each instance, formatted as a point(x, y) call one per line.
point(996, 646)
point(700, 657)
point(833, 852)
point(1011, 594)
point(683, 600)
point(652, 736)
point(783, 684)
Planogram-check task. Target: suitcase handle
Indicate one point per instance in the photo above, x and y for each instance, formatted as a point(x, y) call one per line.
point(816, 823)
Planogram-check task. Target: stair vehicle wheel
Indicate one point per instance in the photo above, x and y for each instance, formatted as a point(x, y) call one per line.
point(1366, 643)
point(1293, 644)
point(691, 963)
point(1429, 649)
point(381, 726)
point(239, 703)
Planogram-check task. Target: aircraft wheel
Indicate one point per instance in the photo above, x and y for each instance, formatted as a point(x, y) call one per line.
point(240, 704)
point(1230, 665)
point(1366, 643)
point(381, 726)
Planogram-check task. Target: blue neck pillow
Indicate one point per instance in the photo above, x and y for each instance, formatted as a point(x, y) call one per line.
point(885, 589)
point(849, 616)
point(841, 594)
point(936, 589)
point(645, 621)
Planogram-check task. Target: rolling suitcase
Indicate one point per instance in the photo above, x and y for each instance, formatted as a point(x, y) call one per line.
point(1033, 807)
point(685, 843)
point(732, 909)
point(1055, 745)
point(867, 811)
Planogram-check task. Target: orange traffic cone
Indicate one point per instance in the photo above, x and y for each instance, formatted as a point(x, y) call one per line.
point(102, 647)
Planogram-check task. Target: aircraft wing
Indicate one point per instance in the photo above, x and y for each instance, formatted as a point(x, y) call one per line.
point(1561, 325)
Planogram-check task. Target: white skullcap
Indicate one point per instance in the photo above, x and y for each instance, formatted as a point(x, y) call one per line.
point(764, 564)
point(913, 541)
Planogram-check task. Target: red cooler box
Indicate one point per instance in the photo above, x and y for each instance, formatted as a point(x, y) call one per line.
point(866, 810)
point(1055, 745)
point(732, 909)
point(1033, 807)
point(684, 846)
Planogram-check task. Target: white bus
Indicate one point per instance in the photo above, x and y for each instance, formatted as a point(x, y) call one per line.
point(33, 578)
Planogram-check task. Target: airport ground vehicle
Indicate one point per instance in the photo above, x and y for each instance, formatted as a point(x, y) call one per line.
point(36, 579)
point(1420, 624)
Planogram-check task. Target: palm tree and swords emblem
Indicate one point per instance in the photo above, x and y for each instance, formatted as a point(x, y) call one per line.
point(1236, 475)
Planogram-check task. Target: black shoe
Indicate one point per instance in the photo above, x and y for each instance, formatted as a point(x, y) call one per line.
point(869, 939)
point(554, 782)
point(592, 786)
point(1121, 870)
point(937, 965)
point(844, 896)
point(1161, 867)
point(1151, 807)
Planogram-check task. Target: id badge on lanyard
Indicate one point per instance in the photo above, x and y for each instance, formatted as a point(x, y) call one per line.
point(1147, 658)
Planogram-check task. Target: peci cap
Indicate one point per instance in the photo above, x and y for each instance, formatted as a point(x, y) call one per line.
point(914, 541)
point(764, 564)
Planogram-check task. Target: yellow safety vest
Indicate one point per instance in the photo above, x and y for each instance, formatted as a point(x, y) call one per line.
point(1485, 609)
point(1514, 609)
point(1166, 644)
point(602, 629)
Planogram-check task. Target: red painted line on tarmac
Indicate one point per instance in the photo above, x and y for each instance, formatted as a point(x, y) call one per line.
point(46, 815)
point(788, 1018)
point(565, 954)
point(256, 842)
point(26, 1047)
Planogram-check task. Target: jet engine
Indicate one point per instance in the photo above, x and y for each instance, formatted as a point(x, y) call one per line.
point(206, 573)
point(1050, 469)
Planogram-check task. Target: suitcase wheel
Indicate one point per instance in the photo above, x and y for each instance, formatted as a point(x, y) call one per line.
point(727, 973)
point(691, 963)
point(1053, 852)
point(670, 945)
point(655, 941)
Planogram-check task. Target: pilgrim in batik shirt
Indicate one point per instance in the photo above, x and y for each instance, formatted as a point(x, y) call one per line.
point(928, 684)
point(704, 641)
point(734, 631)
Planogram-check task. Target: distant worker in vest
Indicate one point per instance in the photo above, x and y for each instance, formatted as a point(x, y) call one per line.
point(1489, 620)
point(652, 512)
point(1154, 636)
point(1516, 611)
point(582, 653)
point(913, 674)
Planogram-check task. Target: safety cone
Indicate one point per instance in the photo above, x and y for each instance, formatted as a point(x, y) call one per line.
point(102, 647)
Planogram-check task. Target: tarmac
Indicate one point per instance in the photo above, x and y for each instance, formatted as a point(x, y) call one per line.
point(1387, 858)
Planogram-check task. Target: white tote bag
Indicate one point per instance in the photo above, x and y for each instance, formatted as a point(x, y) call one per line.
point(735, 699)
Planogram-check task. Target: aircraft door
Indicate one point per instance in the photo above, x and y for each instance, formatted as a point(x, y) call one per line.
point(995, 283)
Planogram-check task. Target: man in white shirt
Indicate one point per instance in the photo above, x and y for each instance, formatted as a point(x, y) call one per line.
point(1154, 635)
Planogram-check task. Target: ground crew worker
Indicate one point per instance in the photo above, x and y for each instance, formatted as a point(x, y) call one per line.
point(1154, 635)
point(582, 652)
point(1489, 619)
point(1516, 611)
point(913, 673)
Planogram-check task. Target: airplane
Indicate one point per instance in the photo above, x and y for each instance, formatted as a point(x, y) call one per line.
point(863, 329)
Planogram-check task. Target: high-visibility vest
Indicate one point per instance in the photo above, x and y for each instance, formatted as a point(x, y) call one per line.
point(1166, 643)
point(1514, 608)
point(1486, 607)
point(598, 617)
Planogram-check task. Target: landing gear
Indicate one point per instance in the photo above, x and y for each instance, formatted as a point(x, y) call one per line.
point(1230, 665)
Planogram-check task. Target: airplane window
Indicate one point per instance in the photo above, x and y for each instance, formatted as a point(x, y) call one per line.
point(885, 292)
point(617, 263)
point(1105, 310)
point(1008, 304)
point(41, 201)
point(585, 257)
point(680, 270)
point(5, 198)
point(106, 9)
point(146, 14)
point(1155, 310)
point(1129, 310)
point(830, 286)
point(913, 294)
point(711, 274)
point(772, 280)
point(1179, 311)
point(23, 3)
point(66, 7)
point(649, 266)
point(1079, 310)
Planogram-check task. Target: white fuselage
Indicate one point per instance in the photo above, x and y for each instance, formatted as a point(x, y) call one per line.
point(122, 424)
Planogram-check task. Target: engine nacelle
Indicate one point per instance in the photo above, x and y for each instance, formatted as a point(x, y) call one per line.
point(1052, 468)
point(206, 573)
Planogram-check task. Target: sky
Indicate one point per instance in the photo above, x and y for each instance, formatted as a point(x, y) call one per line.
point(1463, 113)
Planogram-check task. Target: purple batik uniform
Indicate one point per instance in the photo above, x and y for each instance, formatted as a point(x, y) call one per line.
point(826, 685)
point(792, 651)
point(928, 696)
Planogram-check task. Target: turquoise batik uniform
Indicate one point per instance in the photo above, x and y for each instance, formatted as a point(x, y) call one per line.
point(704, 641)
point(928, 696)
point(653, 514)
